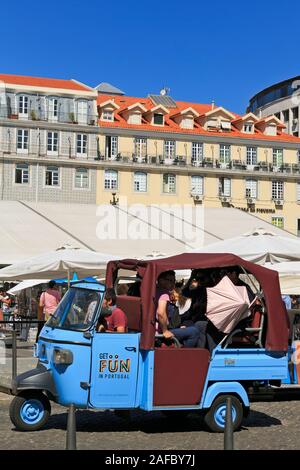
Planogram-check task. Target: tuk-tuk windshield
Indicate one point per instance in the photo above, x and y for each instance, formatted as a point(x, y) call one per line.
point(77, 309)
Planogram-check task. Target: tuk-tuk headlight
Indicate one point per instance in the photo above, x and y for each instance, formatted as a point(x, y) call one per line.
point(62, 356)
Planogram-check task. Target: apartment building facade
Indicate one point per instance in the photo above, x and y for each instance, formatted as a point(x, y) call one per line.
point(48, 140)
point(62, 141)
point(157, 151)
point(281, 99)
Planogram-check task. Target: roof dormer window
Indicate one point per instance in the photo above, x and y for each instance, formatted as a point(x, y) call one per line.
point(107, 115)
point(225, 125)
point(271, 129)
point(248, 128)
point(212, 124)
point(187, 123)
point(135, 118)
point(158, 119)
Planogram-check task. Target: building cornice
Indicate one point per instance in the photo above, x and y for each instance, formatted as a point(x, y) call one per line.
point(15, 88)
point(46, 125)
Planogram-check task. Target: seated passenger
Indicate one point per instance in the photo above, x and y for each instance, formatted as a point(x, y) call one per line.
point(187, 335)
point(122, 289)
point(135, 288)
point(196, 290)
point(184, 305)
point(112, 319)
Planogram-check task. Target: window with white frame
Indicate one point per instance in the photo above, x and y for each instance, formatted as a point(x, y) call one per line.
point(187, 122)
point(110, 179)
point(22, 173)
point(52, 142)
point(169, 183)
point(22, 140)
point(225, 187)
point(52, 176)
point(82, 111)
point(135, 118)
point(277, 190)
point(278, 222)
point(251, 189)
point(196, 185)
point(224, 153)
point(197, 153)
point(298, 191)
point(277, 157)
point(23, 105)
point(81, 178)
point(107, 115)
point(140, 147)
point(169, 149)
point(248, 127)
point(53, 109)
point(251, 156)
point(81, 144)
point(111, 146)
point(140, 182)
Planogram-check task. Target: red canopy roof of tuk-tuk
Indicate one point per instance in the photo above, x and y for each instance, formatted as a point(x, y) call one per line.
point(277, 321)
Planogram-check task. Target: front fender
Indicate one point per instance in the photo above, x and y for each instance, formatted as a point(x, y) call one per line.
point(230, 388)
point(39, 378)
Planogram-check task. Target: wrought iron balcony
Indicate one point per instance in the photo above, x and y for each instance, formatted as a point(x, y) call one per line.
point(43, 151)
point(33, 114)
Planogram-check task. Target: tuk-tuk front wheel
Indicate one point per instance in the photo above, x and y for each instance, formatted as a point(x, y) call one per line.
point(216, 415)
point(30, 411)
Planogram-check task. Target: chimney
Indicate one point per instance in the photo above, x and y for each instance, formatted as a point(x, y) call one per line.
point(212, 104)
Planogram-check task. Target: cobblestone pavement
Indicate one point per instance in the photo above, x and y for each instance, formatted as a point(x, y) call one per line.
point(270, 425)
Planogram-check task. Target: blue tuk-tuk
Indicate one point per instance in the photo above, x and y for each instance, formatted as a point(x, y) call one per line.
point(91, 370)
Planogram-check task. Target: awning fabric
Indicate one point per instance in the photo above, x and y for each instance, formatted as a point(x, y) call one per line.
point(259, 246)
point(59, 263)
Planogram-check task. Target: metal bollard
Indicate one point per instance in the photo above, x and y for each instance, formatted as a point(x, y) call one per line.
point(71, 429)
point(228, 431)
point(14, 353)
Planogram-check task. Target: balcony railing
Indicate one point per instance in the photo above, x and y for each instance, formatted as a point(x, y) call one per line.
point(42, 151)
point(179, 161)
point(183, 161)
point(48, 116)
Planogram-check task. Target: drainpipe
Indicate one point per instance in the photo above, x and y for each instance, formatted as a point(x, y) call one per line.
point(37, 183)
point(37, 168)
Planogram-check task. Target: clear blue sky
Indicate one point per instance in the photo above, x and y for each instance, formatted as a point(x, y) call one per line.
point(217, 49)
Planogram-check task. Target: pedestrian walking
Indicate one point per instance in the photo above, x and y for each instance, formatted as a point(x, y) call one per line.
point(48, 303)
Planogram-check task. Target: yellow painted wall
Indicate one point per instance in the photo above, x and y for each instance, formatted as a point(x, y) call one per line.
point(155, 195)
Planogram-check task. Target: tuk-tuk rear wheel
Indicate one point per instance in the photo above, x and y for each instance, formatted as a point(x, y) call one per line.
point(30, 411)
point(215, 415)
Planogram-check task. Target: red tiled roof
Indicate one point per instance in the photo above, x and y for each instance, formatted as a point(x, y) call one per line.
point(43, 82)
point(170, 125)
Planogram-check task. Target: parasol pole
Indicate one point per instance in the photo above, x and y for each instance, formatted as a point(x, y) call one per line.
point(68, 279)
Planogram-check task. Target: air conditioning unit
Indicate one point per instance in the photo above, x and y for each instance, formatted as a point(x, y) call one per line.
point(278, 202)
point(197, 197)
point(250, 200)
point(225, 199)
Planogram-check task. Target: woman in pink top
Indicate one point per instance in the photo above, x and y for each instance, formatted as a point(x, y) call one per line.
point(49, 301)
